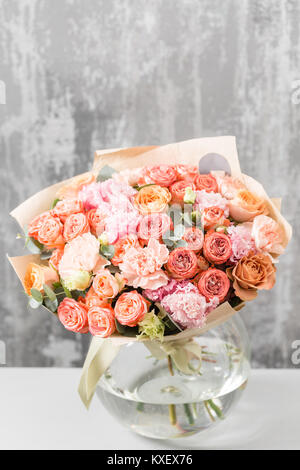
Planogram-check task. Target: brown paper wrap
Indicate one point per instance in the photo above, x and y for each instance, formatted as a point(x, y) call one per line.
point(102, 352)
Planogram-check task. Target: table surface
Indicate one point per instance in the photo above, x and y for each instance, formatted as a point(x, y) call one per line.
point(40, 409)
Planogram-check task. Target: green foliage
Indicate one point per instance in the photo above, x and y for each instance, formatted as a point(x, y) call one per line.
point(105, 173)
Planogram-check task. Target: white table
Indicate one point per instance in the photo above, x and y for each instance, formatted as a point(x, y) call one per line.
point(40, 409)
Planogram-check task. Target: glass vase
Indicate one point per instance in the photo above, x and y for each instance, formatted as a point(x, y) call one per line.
point(155, 399)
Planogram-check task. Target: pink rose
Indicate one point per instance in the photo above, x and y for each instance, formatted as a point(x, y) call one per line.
point(154, 225)
point(267, 234)
point(227, 185)
point(194, 238)
point(67, 207)
point(73, 315)
point(141, 267)
point(163, 175)
point(131, 308)
point(101, 321)
point(105, 285)
point(205, 199)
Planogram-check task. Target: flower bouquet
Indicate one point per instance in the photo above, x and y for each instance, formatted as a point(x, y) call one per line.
point(155, 245)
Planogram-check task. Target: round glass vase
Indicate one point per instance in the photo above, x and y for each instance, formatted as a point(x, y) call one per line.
point(155, 399)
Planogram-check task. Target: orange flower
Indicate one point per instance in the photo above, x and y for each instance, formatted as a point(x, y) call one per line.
point(75, 224)
point(105, 285)
point(71, 190)
point(206, 182)
point(73, 315)
point(101, 321)
point(50, 232)
point(246, 205)
point(37, 275)
point(67, 207)
point(96, 220)
point(36, 223)
point(253, 272)
point(122, 246)
point(152, 198)
point(178, 188)
point(92, 299)
point(212, 217)
point(131, 308)
point(163, 175)
point(56, 257)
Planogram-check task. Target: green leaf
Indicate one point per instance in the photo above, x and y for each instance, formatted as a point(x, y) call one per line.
point(108, 251)
point(54, 203)
point(179, 231)
point(126, 330)
point(144, 186)
point(33, 246)
point(49, 292)
point(34, 303)
point(36, 295)
point(67, 292)
point(51, 305)
point(105, 173)
point(46, 254)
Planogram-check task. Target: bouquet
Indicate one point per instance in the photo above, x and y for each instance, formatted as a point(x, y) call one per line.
point(146, 247)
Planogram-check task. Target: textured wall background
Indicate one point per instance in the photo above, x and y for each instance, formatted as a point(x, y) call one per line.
point(88, 74)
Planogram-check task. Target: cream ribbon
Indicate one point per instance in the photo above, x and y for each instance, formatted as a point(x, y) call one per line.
point(180, 351)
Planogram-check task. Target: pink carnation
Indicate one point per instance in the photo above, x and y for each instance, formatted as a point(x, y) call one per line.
point(187, 307)
point(120, 224)
point(141, 267)
point(241, 240)
point(156, 295)
point(112, 188)
point(205, 199)
point(90, 196)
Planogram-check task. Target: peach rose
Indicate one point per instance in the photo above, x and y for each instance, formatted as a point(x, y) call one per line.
point(122, 246)
point(36, 223)
point(81, 254)
point(194, 238)
point(50, 232)
point(245, 206)
point(67, 207)
point(92, 299)
point(163, 175)
point(206, 182)
point(182, 263)
point(96, 220)
point(75, 224)
point(71, 190)
point(152, 198)
point(267, 234)
point(105, 285)
point(217, 247)
point(131, 308)
point(211, 217)
point(73, 315)
point(56, 257)
point(101, 321)
point(253, 272)
point(186, 172)
point(37, 275)
point(227, 185)
point(178, 188)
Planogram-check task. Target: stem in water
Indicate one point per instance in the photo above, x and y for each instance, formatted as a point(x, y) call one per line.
point(172, 408)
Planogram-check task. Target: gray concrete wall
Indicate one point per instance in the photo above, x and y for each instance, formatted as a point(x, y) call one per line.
point(88, 74)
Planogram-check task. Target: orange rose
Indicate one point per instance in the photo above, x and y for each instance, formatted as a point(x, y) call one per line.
point(245, 206)
point(101, 321)
point(73, 315)
point(37, 275)
point(131, 308)
point(36, 223)
point(186, 172)
point(56, 257)
point(75, 224)
point(194, 238)
point(211, 217)
point(105, 285)
point(122, 246)
point(67, 207)
point(178, 188)
point(253, 272)
point(92, 299)
point(152, 198)
point(206, 182)
point(71, 190)
point(163, 175)
point(96, 220)
point(50, 233)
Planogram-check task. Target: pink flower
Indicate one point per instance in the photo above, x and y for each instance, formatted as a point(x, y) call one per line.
point(141, 267)
point(205, 199)
point(156, 295)
point(120, 224)
point(82, 253)
point(73, 315)
point(130, 176)
point(227, 185)
point(241, 240)
point(187, 307)
point(91, 197)
point(112, 188)
point(267, 234)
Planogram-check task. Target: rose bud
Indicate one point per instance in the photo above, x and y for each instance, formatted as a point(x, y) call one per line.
point(217, 247)
point(213, 283)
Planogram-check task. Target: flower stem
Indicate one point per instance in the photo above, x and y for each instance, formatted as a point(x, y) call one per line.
point(172, 408)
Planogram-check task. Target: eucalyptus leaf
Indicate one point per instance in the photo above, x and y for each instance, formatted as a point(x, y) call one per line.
point(36, 295)
point(51, 305)
point(168, 242)
point(34, 303)
point(105, 173)
point(49, 292)
point(180, 244)
point(108, 251)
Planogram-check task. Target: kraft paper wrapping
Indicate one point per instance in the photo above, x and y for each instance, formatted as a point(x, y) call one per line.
point(102, 352)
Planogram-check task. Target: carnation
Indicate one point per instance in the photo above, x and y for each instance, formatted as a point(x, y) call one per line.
point(205, 199)
point(188, 307)
point(156, 295)
point(241, 241)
